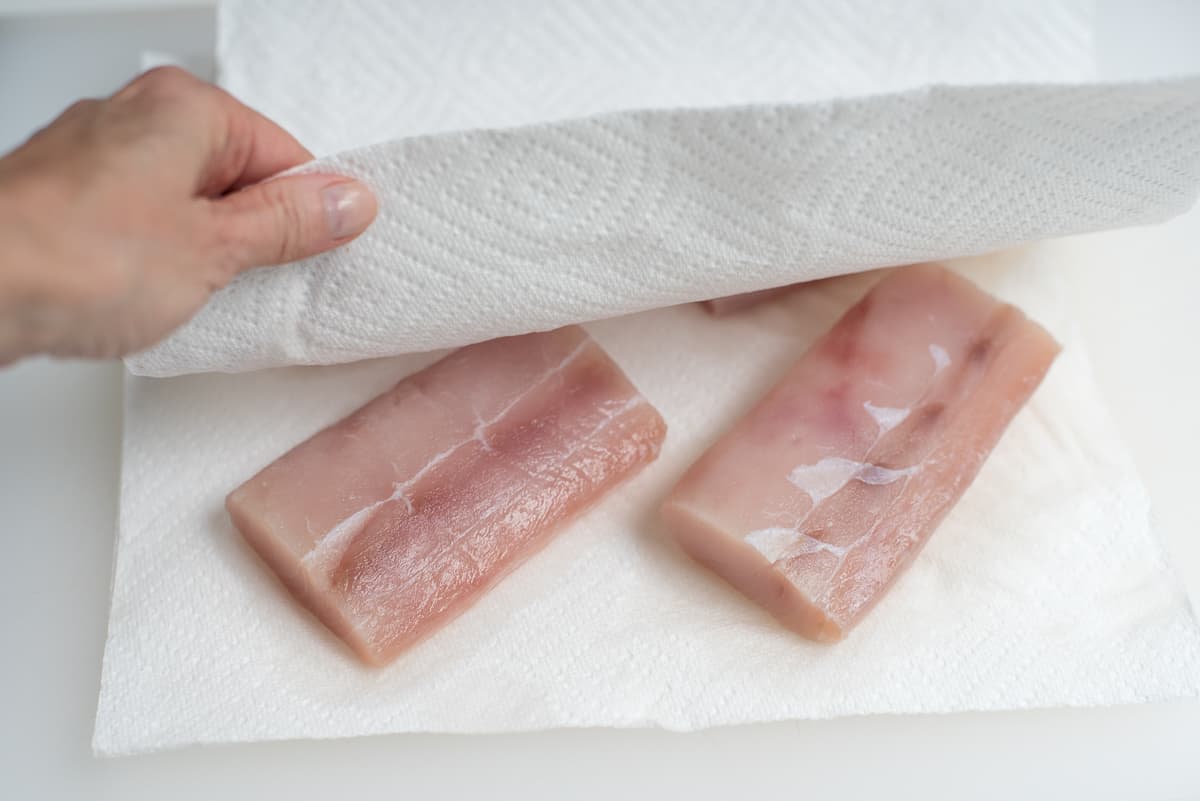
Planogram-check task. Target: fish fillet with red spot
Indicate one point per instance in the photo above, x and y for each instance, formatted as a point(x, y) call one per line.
point(389, 523)
point(825, 491)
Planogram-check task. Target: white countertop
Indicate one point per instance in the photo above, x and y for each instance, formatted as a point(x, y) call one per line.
point(59, 457)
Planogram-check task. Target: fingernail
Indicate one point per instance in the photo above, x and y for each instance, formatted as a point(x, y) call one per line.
point(349, 208)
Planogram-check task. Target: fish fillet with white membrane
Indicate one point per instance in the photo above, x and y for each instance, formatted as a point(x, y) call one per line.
point(817, 499)
point(392, 521)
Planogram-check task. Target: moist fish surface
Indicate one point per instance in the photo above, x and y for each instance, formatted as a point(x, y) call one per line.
point(392, 521)
point(819, 497)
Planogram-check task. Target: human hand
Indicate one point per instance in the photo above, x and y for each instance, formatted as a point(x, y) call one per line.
point(119, 219)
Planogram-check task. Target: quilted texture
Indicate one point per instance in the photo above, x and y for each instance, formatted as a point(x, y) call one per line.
point(488, 233)
point(361, 72)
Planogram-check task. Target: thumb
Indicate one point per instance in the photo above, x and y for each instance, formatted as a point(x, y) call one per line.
point(285, 219)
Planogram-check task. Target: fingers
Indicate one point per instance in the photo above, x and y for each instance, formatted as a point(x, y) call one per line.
point(290, 218)
point(253, 147)
point(234, 150)
point(239, 146)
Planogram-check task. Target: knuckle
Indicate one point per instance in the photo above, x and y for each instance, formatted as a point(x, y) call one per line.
point(162, 88)
point(161, 80)
point(267, 227)
point(289, 228)
point(82, 107)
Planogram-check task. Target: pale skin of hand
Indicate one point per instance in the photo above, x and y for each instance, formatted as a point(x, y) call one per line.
point(122, 217)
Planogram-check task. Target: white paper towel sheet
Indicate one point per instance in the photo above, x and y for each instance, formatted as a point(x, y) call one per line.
point(348, 74)
point(490, 233)
point(1045, 586)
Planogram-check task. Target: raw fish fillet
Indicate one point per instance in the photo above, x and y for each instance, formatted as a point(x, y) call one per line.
point(732, 304)
point(389, 523)
point(825, 491)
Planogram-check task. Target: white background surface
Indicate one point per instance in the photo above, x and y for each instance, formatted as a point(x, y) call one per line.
point(59, 453)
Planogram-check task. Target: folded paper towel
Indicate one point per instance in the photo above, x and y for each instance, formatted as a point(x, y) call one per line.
point(490, 233)
point(1045, 587)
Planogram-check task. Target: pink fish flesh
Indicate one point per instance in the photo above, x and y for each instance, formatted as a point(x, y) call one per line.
point(826, 490)
point(394, 520)
point(732, 304)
